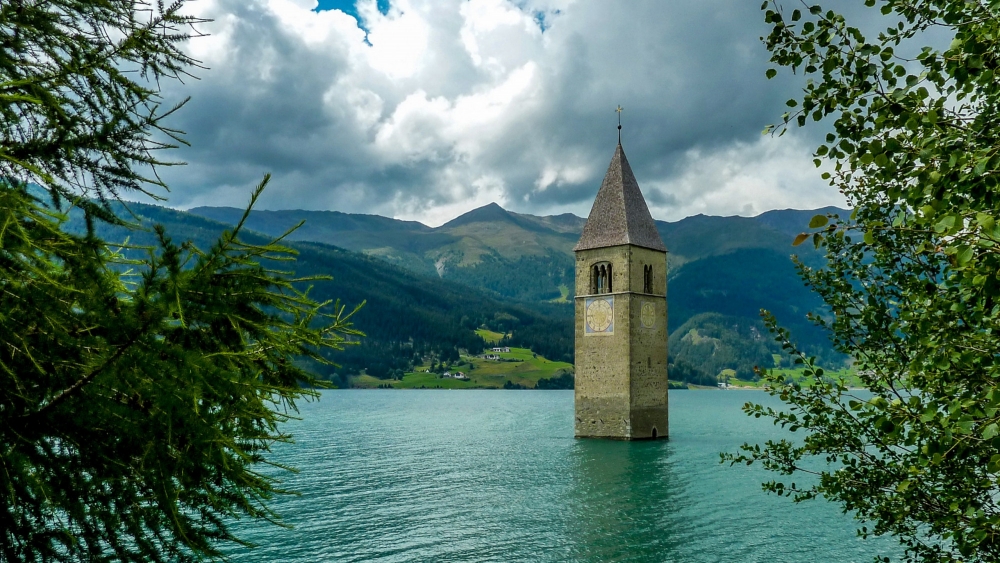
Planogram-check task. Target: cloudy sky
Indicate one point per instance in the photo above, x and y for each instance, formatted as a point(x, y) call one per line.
point(425, 109)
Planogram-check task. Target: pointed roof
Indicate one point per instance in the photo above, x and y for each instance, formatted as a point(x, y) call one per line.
point(620, 215)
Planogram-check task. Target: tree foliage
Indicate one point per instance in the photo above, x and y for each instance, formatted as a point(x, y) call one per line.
point(715, 342)
point(912, 278)
point(529, 278)
point(137, 406)
point(139, 397)
point(563, 380)
point(79, 93)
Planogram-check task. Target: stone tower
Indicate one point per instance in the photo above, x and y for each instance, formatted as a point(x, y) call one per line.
point(621, 315)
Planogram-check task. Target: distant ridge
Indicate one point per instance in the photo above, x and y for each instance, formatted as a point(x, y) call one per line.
point(565, 223)
point(405, 313)
point(731, 266)
point(794, 221)
point(484, 214)
point(493, 213)
point(787, 221)
point(333, 220)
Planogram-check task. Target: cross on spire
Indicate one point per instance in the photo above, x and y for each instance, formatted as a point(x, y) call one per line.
point(619, 110)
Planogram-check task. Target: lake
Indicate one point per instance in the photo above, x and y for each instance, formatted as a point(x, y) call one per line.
point(440, 476)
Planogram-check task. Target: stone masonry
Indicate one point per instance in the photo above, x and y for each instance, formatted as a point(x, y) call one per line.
point(621, 365)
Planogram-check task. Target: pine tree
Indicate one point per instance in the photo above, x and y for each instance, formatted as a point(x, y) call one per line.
point(139, 398)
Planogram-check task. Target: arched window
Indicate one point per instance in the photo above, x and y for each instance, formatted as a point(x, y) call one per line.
point(600, 278)
point(647, 279)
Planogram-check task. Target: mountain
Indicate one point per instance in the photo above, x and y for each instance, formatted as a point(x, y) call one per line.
point(709, 343)
point(403, 243)
point(703, 236)
point(731, 266)
point(528, 257)
point(488, 248)
point(493, 231)
point(792, 221)
point(406, 314)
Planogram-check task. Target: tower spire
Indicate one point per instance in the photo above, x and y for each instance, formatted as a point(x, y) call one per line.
point(620, 215)
point(619, 110)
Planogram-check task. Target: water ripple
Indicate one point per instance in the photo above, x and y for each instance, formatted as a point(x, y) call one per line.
point(496, 476)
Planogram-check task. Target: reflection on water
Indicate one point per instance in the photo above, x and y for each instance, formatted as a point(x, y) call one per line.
point(461, 476)
point(626, 501)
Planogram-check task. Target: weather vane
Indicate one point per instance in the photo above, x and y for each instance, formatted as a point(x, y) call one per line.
point(619, 110)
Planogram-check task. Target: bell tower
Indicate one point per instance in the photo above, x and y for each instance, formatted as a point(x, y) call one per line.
point(621, 315)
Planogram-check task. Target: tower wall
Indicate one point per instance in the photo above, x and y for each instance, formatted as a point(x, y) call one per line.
point(621, 378)
point(648, 354)
point(602, 389)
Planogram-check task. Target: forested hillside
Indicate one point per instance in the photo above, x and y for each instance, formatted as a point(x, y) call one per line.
point(524, 256)
point(733, 266)
point(506, 254)
point(406, 315)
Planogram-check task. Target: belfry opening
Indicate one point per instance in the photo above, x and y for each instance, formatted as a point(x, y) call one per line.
point(601, 276)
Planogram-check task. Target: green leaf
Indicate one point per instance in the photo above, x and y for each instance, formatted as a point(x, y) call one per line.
point(800, 238)
point(980, 168)
point(964, 254)
point(818, 221)
point(771, 73)
point(946, 223)
point(985, 221)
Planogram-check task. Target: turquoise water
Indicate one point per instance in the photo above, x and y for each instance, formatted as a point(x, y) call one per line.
point(440, 476)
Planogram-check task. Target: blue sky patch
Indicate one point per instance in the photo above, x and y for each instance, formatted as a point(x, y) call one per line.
point(540, 19)
point(350, 7)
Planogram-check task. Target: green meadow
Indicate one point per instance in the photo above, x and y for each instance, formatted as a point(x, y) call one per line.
point(519, 366)
point(564, 296)
point(797, 375)
point(489, 336)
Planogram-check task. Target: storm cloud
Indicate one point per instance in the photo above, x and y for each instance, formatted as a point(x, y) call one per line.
point(428, 109)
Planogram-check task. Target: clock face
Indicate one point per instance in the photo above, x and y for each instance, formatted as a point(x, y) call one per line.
point(600, 315)
point(648, 314)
